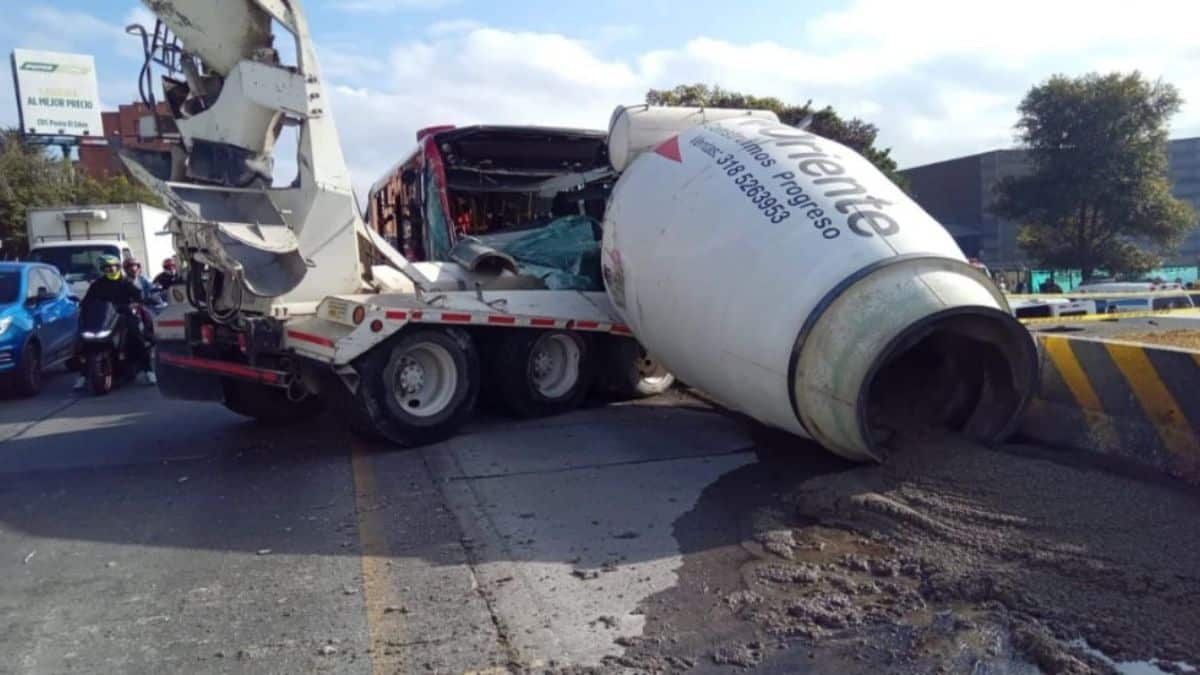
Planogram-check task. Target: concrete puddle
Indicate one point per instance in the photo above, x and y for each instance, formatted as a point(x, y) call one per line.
point(1150, 667)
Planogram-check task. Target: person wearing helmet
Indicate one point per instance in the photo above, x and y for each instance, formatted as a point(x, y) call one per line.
point(169, 276)
point(133, 272)
point(125, 296)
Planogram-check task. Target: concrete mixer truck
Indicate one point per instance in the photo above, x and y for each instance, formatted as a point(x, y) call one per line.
point(774, 269)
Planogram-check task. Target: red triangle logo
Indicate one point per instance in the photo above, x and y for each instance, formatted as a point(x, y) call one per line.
point(670, 149)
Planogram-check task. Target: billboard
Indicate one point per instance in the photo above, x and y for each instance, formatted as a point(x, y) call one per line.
point(56, 93)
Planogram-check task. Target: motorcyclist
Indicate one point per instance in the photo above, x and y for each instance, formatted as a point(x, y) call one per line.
point(154, 297)
point(169, 276)
point(133, 272)
point(125, 295)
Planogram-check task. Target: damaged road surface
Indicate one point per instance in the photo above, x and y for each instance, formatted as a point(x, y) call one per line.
point(141, 535)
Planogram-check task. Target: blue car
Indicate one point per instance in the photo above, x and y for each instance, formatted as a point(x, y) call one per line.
point(38, 320)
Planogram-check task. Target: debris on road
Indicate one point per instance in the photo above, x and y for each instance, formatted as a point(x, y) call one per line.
point(585, 574)
point(949, 557)
point(608, 621)
point(29, 557)
point(264, 551)
point(327, 650)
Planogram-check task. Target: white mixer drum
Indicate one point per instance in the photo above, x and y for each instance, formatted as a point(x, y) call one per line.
point(784, 275)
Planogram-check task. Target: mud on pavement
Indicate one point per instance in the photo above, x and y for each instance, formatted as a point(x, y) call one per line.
point(948, 558)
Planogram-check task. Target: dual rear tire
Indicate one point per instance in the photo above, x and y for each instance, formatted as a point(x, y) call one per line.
point(423, 385)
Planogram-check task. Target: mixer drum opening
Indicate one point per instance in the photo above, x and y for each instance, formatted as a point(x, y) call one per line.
point(970, 370)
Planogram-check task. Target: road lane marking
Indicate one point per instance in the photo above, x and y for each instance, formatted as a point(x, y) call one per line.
point(602, 465)
point(383, 626)
point(33, 423)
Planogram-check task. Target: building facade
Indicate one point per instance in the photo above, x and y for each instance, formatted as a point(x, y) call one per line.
point(122, 130)
point(960, 193)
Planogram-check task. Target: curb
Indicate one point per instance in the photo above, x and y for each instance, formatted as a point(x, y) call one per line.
point(1134, 401)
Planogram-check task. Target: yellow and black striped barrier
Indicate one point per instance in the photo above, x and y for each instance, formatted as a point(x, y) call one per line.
point(1134, 401)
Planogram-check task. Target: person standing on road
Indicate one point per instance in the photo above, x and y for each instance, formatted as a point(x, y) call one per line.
point(1050, 286)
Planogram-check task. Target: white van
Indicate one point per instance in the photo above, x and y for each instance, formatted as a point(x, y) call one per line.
point(1149, 303)
point(1129, 287)
point(1041, 308)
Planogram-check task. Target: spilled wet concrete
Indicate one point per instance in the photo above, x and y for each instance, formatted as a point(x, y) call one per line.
point(949, 558)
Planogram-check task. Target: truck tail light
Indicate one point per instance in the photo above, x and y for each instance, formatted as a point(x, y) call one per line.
point(206, 334)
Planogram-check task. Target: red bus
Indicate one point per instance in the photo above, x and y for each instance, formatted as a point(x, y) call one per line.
point(490, 183)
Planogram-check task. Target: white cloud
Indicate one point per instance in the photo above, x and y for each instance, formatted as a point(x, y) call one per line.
point(456, 26)
point(470, 75)
point(940, 78)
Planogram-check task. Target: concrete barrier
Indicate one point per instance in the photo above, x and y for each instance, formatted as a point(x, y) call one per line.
point(1133, 401)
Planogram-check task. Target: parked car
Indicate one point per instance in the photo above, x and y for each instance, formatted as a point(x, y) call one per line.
point(1036, 308)
point(1145, 286)
point(38, 319)
point(1148, 304)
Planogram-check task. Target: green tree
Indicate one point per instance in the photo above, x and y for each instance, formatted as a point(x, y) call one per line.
point(30, 178)
point(1098, 196)
point(853, 133)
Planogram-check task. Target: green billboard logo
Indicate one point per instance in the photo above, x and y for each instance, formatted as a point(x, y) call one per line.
point(46, 67)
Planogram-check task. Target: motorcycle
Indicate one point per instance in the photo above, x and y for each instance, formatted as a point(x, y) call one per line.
point(107, 355)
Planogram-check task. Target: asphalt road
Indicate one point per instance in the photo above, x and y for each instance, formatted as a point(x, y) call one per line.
point(139, 535)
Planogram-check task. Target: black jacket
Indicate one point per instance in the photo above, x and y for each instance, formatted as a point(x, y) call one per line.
point(166, 280)
point(121, 293)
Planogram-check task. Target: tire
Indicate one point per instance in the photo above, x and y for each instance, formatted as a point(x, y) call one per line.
point(27, 380)
point(100, 373)
point(418, 388)
point(268, 405)
point(631, 373)
point(538, 373)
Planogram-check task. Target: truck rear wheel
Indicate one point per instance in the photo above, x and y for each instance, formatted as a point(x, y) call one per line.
point(631, 373)
point(269, 405)
point(540, 373)
point(420, 387)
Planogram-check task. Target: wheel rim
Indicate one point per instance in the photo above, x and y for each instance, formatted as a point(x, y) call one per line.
point(424, 380)
point(554, 365)
point(650, 371)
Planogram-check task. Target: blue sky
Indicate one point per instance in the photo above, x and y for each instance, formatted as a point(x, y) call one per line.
point(940, 78)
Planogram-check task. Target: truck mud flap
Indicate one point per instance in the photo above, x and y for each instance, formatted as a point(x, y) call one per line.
point(177, 382)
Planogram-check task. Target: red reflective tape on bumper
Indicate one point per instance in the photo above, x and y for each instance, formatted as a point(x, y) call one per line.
point(268, 376)
point(502, 320)
point(315, 339)
point(456, 318)
point(417, 315)
point(397, 316)
point(587, 324)
point(171, 323)
point(623, 330)
point(542, 323)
